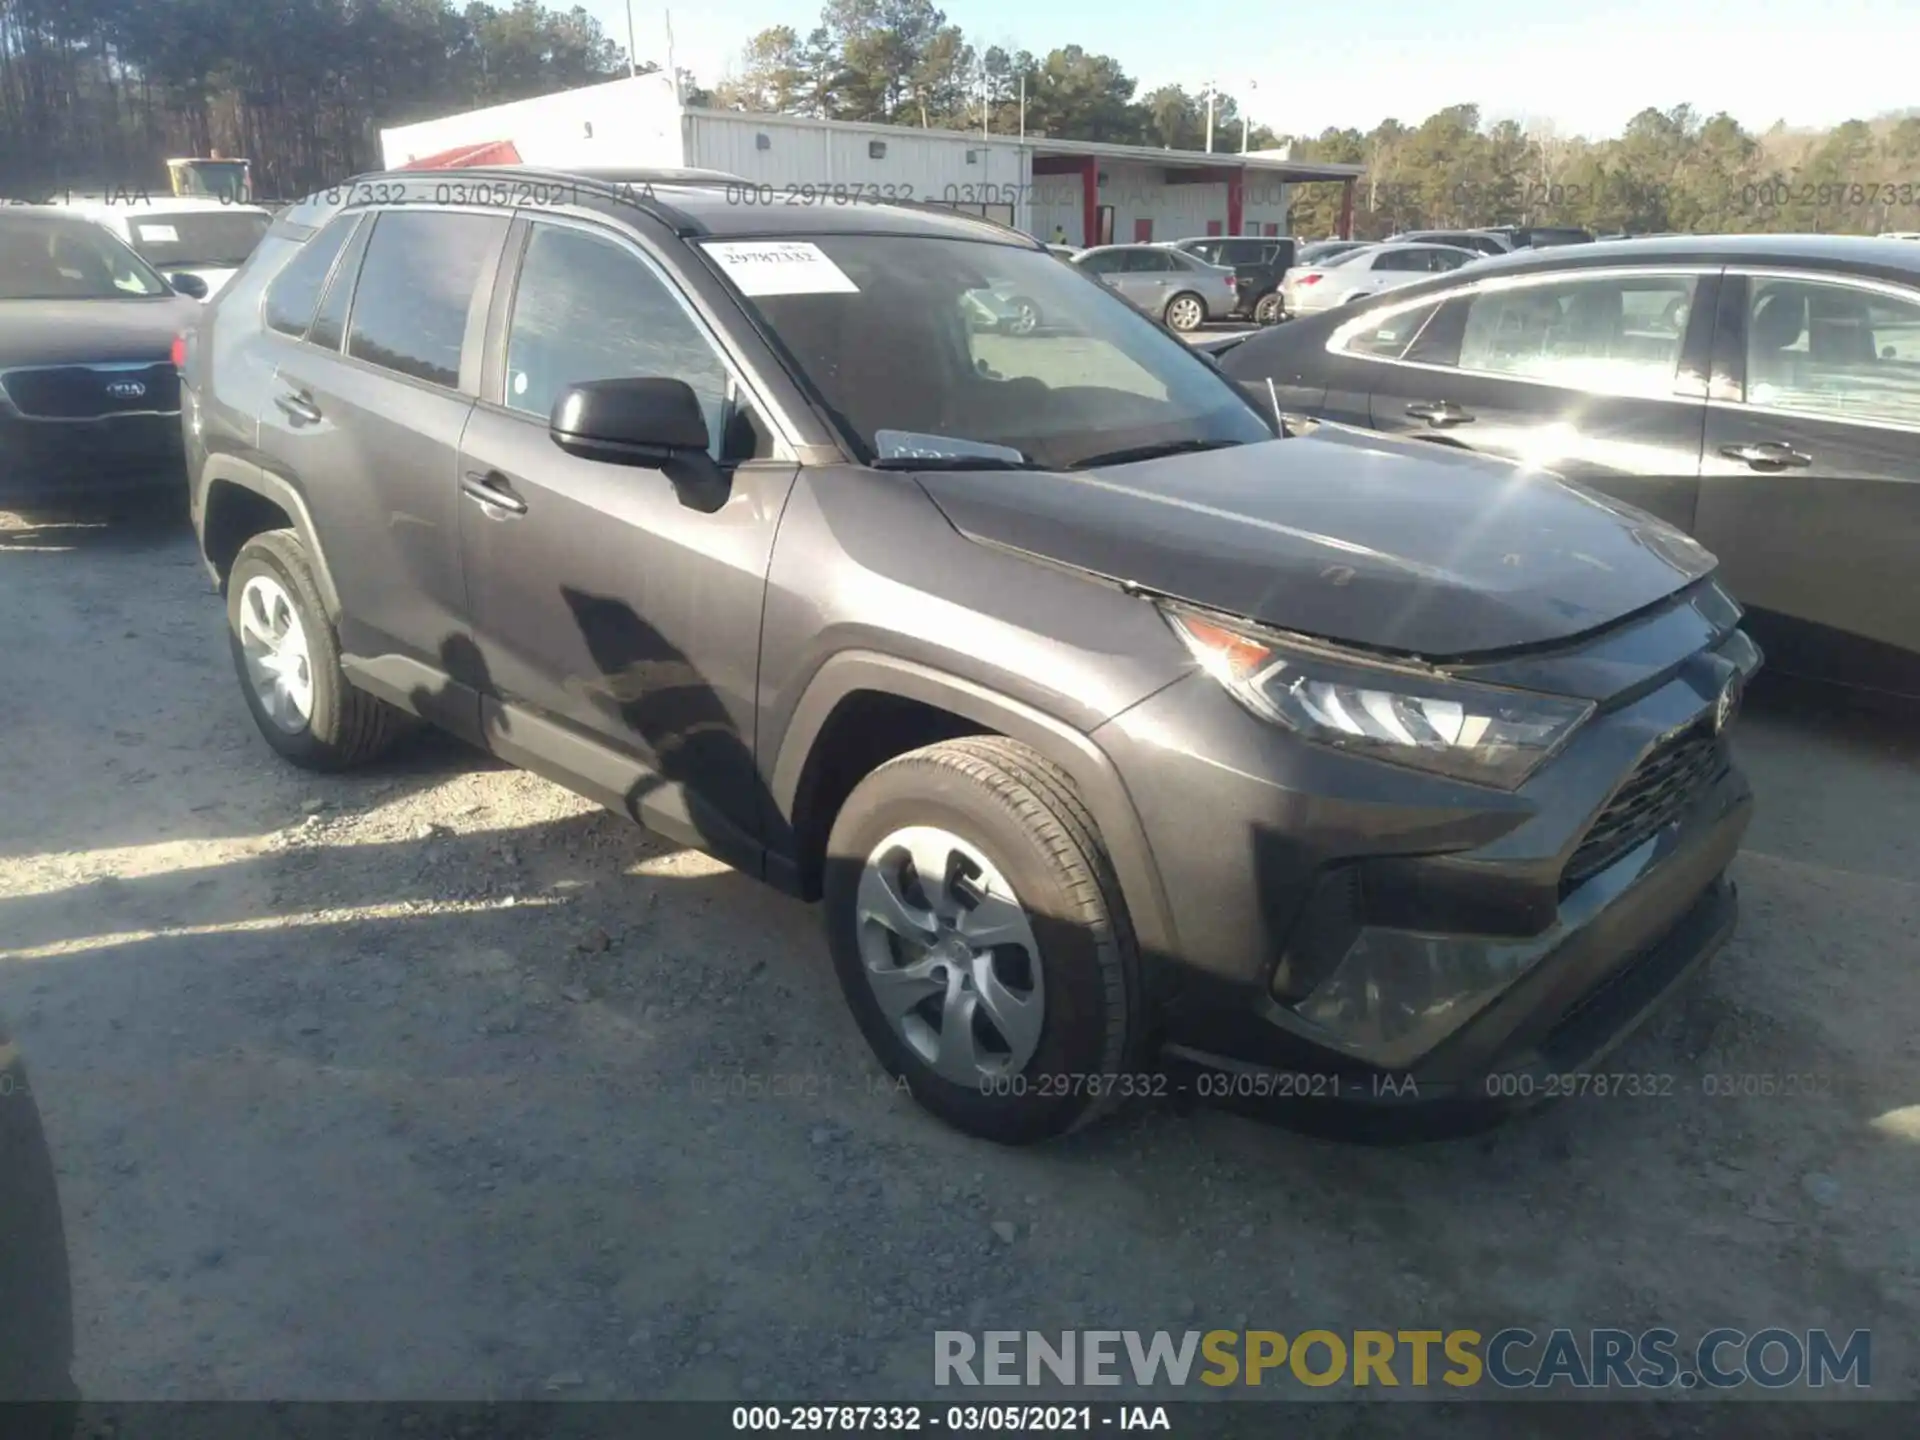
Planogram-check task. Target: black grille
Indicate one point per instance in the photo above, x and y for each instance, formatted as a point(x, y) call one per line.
point(85, 392)
point(1655, 795)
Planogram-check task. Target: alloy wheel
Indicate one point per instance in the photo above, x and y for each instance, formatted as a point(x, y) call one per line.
point(950, 955)
point(1185, 313)
point(1026, 317)
point(274, 643)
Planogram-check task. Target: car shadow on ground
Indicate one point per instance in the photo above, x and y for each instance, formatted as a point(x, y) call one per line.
point(474, 1111)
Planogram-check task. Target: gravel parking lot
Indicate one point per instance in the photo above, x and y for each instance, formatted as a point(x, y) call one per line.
point(435, 1082)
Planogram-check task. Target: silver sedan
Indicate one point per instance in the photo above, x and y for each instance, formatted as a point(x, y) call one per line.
point(1167, 284)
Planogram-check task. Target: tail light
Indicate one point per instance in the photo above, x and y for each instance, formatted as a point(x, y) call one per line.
point(1308, 279)
point(180, 352)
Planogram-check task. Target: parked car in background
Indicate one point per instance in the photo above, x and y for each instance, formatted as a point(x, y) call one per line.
point(1900, 234)
point(1540, 237)
point(89, 398)
point(1063, 252)
point(1003, 308)
point(1759, 391)
point(208, 239)
point(1105, 723)
point(1182, 290)
point(1482, 242)
point(1258, 263)
point(1350, 277)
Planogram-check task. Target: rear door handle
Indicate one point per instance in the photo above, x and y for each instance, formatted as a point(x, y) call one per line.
point(1768, 455)
point(1439, 413)
point(492, 490)
point(298, 407)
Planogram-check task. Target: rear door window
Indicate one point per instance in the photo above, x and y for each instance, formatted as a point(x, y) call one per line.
point(417, 290)
point(1619, 334)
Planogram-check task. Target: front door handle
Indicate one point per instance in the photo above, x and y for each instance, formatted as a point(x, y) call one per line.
point(298, 406)
point(1439, 413)
point(1768, 455)
point(492, 490)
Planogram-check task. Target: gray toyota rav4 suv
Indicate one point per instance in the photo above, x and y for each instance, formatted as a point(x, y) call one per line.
point(1133, 739)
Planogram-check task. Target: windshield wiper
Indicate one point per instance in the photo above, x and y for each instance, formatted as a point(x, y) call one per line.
point(1153, 452)
point(953, 462)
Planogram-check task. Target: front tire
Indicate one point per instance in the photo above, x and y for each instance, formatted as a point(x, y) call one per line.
point(1185, 312)
point(981, 941)
point(287, 657)
point(1026, 317)
point(1266, 310)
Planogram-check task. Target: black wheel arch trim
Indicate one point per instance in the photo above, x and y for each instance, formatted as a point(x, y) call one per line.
point(230, 470)
point(1099, 784)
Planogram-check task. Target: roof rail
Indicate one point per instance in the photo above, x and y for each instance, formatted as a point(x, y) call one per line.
point(934, 207)
point(631, 188)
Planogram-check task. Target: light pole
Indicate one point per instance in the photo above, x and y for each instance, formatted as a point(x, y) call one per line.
point(1210, 93)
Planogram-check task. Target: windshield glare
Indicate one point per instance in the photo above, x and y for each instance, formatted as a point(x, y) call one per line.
point(954, 350)
point(170, 240)
point(49, 258)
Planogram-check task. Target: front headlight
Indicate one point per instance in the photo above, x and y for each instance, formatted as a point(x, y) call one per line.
point(1471, 732)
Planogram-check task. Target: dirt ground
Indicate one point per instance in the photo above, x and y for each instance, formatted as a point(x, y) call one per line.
point(416, 1084)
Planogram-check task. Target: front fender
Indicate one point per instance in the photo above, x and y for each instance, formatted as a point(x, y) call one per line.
point(1101, 788)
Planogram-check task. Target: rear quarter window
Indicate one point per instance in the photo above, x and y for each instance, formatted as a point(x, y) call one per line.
point(294, 293)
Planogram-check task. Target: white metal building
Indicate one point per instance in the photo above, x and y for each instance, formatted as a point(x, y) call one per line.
point(1091, 192)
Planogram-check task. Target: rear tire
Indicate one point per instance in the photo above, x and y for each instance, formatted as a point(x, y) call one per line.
point(1185, 312)
point(334, 726)
point(1266, 310)
point(1011, 829)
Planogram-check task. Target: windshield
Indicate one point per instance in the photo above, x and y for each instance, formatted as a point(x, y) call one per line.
point(966, 354)
point(45, 257)
point(171, 240)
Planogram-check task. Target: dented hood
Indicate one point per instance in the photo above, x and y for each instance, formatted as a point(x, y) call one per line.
point(1391, 545)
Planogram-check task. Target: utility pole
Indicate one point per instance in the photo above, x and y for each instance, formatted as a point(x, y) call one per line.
point(1023, 104)
point(673, 65)
point(633, 65)
point(1209, 117)
point(1246, 118)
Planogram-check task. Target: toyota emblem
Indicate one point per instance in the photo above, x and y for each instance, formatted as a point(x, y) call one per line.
point(1726, 706)
point(126, 389)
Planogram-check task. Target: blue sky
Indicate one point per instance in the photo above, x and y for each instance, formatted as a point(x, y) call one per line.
point(1584, 65)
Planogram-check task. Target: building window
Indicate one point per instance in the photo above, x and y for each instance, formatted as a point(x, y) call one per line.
point(876, 149)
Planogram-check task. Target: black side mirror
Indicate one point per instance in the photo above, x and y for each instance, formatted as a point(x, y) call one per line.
point(651, 422)
point(188, 284)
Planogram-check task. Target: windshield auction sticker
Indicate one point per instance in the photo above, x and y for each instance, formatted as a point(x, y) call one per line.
point(781, 267)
